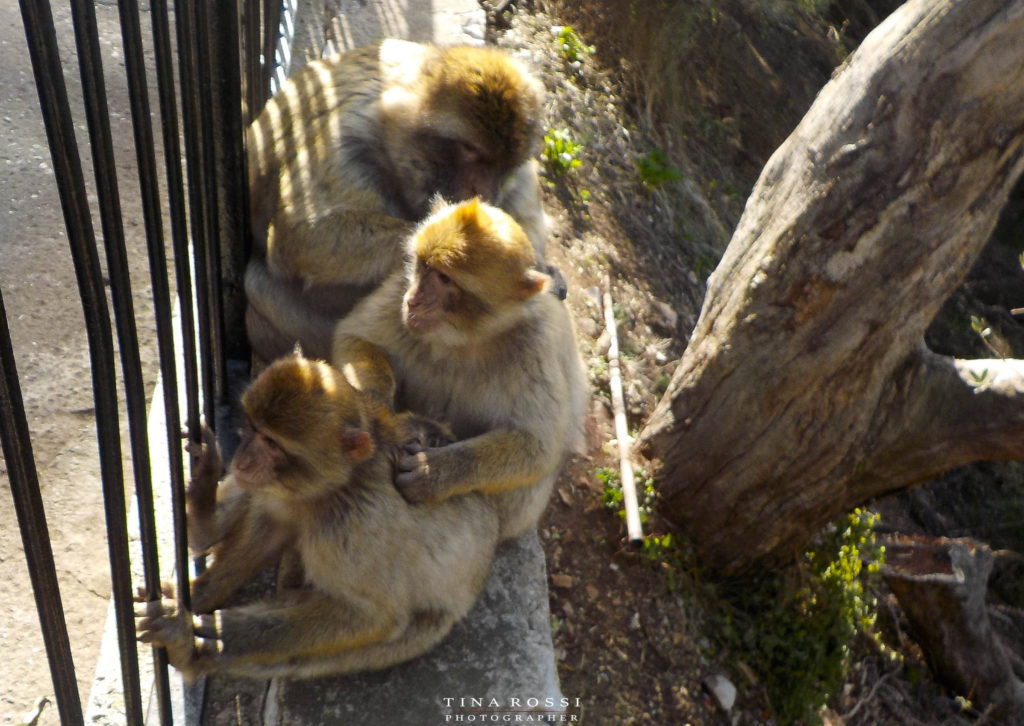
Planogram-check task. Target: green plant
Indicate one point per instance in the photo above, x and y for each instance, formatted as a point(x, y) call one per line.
point(655, 171)
point(612, 497)
point(798, 635)
point(561, 151)
point(572, 48)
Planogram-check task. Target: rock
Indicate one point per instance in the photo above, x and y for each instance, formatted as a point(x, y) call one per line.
point(722, 689)
point(663, 319)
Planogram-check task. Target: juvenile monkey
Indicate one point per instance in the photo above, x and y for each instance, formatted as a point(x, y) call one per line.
point(473, 342)
point(344, 160)
point(383, 581)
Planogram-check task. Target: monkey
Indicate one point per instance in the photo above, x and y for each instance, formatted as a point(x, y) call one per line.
point(379, 581)
point(343, 163)
point(472, 341)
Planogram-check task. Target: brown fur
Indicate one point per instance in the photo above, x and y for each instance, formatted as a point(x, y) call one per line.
point(345, 159)
point(368, 580)
point(487, 353)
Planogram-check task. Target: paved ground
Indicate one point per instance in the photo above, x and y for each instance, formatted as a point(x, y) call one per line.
point(45, 318)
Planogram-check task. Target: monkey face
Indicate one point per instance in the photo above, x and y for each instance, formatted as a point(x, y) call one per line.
point(305, 430)
point(259, 458)
point(431, 303)
point(451, 167)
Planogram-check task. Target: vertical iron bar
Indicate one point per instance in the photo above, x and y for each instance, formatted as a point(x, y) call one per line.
point(205, 59)
point(184, 14)
point(56, 112)
point(28, 504)
point(271, 38)
point(146, 159)
point(97, 117)
point(231, 178)
point(253, 47)
point(183, 276)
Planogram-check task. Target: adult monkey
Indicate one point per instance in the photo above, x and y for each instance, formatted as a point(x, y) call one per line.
point(344, 160)
point(474, 339)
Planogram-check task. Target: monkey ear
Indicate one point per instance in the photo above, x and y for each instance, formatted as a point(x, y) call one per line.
point(357, 444)
point(470, 216)
point(297, 350)
point(533, 281)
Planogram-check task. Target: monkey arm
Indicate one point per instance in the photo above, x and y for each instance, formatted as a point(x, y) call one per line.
point(251, 545)
point(204, 527)
point(301, 623)
point(269, 637)
point(496, 461)
point(282, 312)
point(520, 196)
point(365, 365)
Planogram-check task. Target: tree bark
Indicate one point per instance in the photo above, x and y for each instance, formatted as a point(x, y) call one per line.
point(806, 388)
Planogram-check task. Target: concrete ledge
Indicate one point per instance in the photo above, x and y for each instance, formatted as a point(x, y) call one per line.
point(501, 653)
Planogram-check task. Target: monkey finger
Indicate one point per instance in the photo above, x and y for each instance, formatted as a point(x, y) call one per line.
point(206, 626)
point(142, 593)
point(413, 447)
point(150, 609)
point(413, 462)
point(145, 636)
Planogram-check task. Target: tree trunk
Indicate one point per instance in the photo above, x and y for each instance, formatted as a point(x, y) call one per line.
point(806, 388)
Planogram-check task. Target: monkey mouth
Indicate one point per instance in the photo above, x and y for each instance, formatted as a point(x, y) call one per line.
point(418, 323)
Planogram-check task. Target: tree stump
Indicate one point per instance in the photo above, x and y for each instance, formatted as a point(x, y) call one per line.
point(941, 585)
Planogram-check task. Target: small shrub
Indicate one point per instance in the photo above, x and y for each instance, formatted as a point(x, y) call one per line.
point(571, 47)
point(561, 151)
point(799, 637)
point(655, 171)
point(612, 497)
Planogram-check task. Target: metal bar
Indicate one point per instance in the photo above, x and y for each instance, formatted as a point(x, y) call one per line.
point(184, 14)
point(205, 59)
point(252, 51)
point(57, 119)
point(146, 160)
point(94, 91)
point(271, 36)
point(232, 178)
point(183, 276)
point(35, 537)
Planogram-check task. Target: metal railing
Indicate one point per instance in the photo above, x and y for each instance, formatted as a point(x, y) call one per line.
point(206, 210)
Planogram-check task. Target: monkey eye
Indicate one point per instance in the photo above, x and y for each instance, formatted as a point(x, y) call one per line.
point(443, 278)
point(468, 152)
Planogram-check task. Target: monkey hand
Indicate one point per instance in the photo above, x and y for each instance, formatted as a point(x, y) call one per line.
point(206, 464)
point(416, 475)
point(207, 468)
point(190, 640)
point(423, 433)
point(559, 287)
